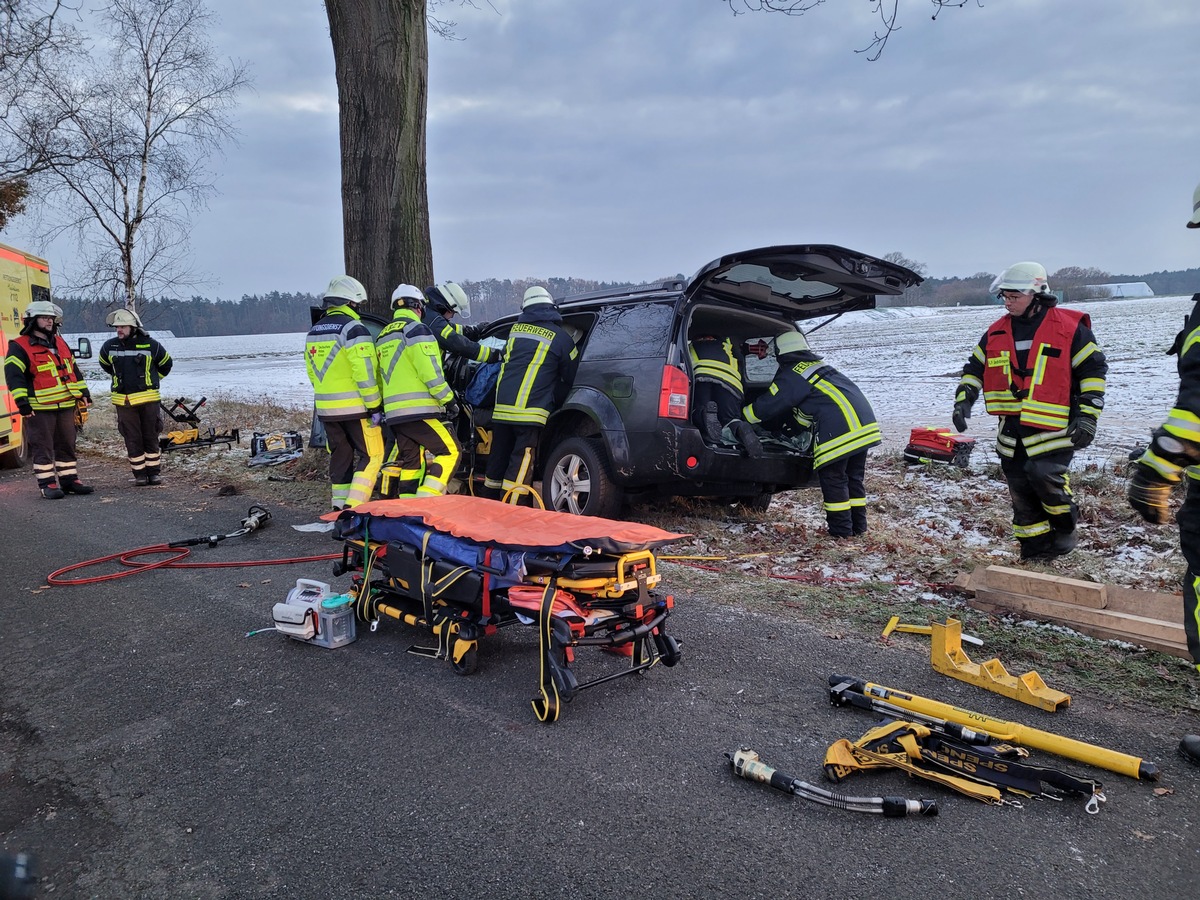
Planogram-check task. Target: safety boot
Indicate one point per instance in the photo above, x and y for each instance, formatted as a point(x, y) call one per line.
point(1189, 748)
point(744, 432)
point(711, 424)
point(75, 486)
point(141, 479)
point(52, 491)
point(154, 478)
point(1064, 543)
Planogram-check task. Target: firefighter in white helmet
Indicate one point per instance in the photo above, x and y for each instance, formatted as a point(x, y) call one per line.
point(137, 364)
point(46, 385)
point(1174, 457)
point(1041, 372)
point(342, 366)
point(443, 302)
point(415, 398)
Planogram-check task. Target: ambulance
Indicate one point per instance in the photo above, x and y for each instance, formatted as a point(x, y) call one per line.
point(23, 279)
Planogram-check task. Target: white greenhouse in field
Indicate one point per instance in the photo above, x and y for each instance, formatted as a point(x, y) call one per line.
point(1129, 290)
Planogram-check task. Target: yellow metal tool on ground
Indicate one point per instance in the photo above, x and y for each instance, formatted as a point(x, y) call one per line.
point(1012, 732)
point(894, 624)
point(946, 654)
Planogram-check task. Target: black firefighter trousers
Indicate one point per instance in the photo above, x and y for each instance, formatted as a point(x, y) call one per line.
point(1040, 489)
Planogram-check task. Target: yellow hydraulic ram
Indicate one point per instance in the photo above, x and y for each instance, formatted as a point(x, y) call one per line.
point(1013, 732)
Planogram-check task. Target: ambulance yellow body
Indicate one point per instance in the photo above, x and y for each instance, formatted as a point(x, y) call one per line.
point(23, 279)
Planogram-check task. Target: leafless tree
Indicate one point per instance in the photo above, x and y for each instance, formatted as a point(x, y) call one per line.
point(127, 145)
point(885, 10)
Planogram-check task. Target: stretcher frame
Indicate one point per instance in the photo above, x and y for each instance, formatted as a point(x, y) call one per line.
point(574, 597)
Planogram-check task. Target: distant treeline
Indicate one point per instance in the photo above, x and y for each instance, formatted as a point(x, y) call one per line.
point(288, 312)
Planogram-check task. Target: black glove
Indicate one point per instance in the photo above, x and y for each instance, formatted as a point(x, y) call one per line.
point(1149, 495)
point(495, 354)
point(473, 332)
point(1083, 431)
point(962, 412)
point(86, 396)
point(24, 408)
point(452, 410)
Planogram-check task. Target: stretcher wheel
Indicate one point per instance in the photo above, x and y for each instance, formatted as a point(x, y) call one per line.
point(468, 664)
point(668, 649)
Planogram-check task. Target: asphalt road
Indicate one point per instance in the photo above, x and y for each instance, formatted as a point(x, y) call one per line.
point(150, 749)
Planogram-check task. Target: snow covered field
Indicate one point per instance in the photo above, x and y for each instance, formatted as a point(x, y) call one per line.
point(907, 361)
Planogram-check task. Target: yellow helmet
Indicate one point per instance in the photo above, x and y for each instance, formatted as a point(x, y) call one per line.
point(123, 317)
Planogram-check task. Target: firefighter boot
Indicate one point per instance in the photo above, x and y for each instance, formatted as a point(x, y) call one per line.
point(1189, 748)
point(1064, 543)
point(744, 432)
point(140, 479)
point(75, 486)
point(711, 427)
point(52, 491)
point(152, 475)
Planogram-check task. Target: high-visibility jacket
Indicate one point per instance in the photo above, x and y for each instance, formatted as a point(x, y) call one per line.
point(43, 372)
point(713, 360)
point(1021, 364)
point(1183, 421)
point(410, 370)
point(137, 366)
point(820, 396)
point(342, 366)
point(452, 338)
point(538, 367)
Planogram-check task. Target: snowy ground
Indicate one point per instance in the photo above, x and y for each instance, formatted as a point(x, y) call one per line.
point(907, 361)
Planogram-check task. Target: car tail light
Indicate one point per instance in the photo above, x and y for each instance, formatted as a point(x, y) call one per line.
point(673, 396)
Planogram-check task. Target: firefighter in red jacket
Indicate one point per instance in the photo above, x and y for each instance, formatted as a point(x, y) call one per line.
point(1041, 372)
point(1174, 456)
point(45, 383)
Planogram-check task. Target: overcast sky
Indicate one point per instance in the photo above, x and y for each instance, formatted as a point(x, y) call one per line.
point(633, 139)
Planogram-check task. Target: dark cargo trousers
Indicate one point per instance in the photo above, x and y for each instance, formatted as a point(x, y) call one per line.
point(843, 488)
point(1189, 543)
point(1040, 490)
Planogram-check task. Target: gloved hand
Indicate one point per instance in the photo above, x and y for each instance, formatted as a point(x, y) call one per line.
point(86, 396)
point(452, 410)
point(962, 412)
point(495, 354)
point(376, 415)
point(24, 408)
point(473, 332)
point(1083, 431)
point(1149, 495)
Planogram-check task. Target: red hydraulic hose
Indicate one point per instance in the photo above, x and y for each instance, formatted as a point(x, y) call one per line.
point(128, 558)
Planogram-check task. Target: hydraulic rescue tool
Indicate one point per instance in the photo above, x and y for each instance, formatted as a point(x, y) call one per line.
point(948, 657)
point(894, 624)
point(256, 518)
point(843, 688)
point(747, 764)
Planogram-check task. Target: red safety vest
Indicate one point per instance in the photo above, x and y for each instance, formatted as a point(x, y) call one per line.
point(1042, 397)
point(52, 373)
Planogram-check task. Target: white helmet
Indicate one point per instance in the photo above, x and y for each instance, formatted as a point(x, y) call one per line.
point(449, 297)
point(790, 342)
point(406, 292)
point(122, 317)
point(345, 289)
point(42, 308)
point(534, 295)
point(1194, 221)
point(1024, 276)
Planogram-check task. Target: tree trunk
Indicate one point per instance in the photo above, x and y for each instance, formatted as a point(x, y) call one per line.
point(381, 60)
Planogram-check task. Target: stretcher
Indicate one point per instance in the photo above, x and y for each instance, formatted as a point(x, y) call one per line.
point(460, 568)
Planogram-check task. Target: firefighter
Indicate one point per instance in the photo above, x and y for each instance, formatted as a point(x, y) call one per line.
point(1040, 371)
point(537, 371)
point(442, 303)
point(717, 386)
point(816, 396)
point(46, 385)
point(341, 363)
point(137, 364)
point(415, 397)
point(1174, 452)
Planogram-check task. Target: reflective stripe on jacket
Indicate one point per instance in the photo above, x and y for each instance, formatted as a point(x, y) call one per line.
point(137, 366)
point(1040, 392)
point(341, 364)
point(1183, 421)
point(451, 339)
point(410, 370)
point(46, 375)
point(538, 367)
point(820, 396)
point(714, 360)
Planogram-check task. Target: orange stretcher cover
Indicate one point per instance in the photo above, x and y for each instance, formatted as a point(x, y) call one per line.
point(490, 521)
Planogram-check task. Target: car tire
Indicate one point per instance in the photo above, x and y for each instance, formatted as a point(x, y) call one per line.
point(759, 502)
point(15, 459)
point(578, 479)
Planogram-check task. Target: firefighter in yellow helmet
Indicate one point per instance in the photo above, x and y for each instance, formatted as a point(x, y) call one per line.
point(415, 398)
point(342, 366)
point(1173, 457)
point(1041, 372)
point(137, 364)
point(46, 384)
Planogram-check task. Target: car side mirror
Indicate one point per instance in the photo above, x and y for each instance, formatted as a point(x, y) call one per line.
point(84, 350)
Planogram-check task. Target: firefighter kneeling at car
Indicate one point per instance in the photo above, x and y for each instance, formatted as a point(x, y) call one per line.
point(818, 396)
point(137, 363)
point(46, 385)
point(1041, 372)
point(415, 397)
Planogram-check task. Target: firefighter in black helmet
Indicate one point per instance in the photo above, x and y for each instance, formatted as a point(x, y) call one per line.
point(1173, 457)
